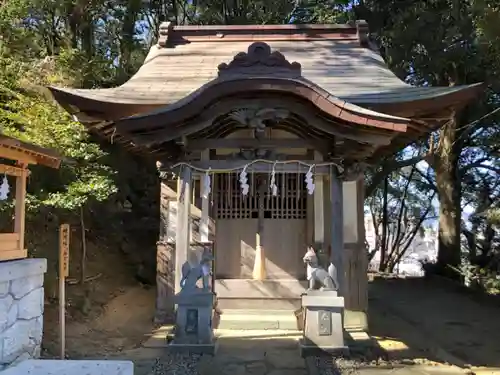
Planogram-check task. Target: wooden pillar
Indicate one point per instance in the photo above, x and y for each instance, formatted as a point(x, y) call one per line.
point(182, 237)
point(20, 206)
point(355, 256)
point(165, 259)
point(337, 233)
point(319, 212)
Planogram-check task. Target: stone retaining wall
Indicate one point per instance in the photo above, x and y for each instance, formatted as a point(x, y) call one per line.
point(21, 310)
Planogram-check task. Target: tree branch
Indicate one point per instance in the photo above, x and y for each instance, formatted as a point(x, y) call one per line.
point(390, 167)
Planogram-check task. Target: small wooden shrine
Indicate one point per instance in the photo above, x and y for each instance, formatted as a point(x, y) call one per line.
point(268, 129)
point(18, 156)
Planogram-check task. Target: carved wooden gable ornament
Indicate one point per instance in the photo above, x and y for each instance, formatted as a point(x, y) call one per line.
point(260, 61)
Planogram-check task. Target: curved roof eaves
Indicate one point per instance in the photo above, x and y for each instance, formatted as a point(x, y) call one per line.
point(341, 67)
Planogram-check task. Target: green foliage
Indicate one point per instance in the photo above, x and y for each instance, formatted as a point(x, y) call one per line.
point(443, 42)
point(323, 12)
point(27, 114)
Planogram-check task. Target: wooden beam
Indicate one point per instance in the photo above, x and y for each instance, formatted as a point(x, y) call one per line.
point(9, 242)
point(183, 228)
point(11, 170)
point(282, 157)
point(261, 167)
point(237, 143)
point(12, 154)
point(13, 254)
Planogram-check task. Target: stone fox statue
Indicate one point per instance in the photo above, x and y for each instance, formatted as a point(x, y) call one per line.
point(317, 274)
point(191, 274)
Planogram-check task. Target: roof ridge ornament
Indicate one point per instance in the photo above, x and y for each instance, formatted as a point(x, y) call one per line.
point(258, 61)
point(363, 33)
point(164, 32)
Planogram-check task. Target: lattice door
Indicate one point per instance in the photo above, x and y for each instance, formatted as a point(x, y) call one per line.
point(282, 219)
point(289, 203)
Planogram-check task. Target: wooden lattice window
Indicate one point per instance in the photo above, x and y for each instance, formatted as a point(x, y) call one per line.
point(290, 202)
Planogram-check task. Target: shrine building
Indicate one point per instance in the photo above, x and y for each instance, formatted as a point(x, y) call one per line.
point(277, 102)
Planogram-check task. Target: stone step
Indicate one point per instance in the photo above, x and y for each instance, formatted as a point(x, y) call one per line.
point(260, 289)
point(239, 319)
point(257, 304)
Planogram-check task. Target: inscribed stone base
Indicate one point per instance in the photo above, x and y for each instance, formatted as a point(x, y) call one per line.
point(21, 310)
point(323, 330)
point(193, 327)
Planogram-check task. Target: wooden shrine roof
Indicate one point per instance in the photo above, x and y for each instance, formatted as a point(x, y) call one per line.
point(334, 57)
point(14, 149)
point(196, 75)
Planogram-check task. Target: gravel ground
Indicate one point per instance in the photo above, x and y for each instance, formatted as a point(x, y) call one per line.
point(355, 366)
point(175, 365)
point(160, 362)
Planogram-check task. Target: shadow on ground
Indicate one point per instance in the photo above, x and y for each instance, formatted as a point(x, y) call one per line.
point(416, 318)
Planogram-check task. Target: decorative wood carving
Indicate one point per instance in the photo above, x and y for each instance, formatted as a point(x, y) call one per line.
point(258, 153)
point(258, 61)
point(363, 33)
point(164, 32)
point(254, 118)
point(353, 171)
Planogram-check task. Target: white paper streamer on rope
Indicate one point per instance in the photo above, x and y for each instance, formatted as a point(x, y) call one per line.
point(4, 188)
point(257, 161)
point(274, 188)
point(244, 181)
point(309, 181)
point(207, 185)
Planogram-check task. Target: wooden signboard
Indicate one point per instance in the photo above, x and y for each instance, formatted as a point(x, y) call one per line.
point(64, 231)
point(64, 250)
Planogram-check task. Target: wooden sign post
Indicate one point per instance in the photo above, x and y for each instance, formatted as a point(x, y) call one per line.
point(63, 273)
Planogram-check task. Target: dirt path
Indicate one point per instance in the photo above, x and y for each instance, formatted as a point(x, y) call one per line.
point(436, 320)
point(124, 324)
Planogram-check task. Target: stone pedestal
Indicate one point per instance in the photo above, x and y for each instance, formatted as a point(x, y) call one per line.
point(193, 329)
point(323, 329)
point(21, 310)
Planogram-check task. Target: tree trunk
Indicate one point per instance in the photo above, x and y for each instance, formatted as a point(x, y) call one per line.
point(385, 222)
point(83, 264)
point(449, 190)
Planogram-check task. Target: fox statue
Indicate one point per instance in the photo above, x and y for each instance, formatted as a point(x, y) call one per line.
point(317, 274)
point(192, 273)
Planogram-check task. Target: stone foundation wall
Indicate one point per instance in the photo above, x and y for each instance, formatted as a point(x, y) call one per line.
point(21, 310)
